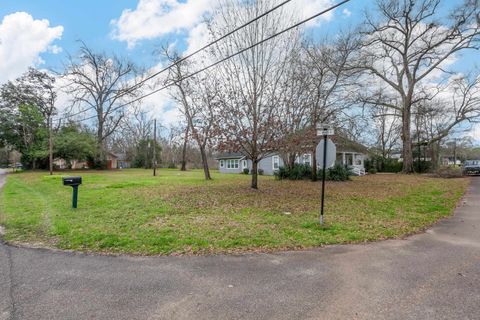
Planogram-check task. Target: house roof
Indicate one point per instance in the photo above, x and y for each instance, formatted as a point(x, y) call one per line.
point(306, 139)
point(121, 156)
point(344, 144)
point(230, 155)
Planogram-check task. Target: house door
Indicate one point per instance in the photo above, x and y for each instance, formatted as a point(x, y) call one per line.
point(349, 159)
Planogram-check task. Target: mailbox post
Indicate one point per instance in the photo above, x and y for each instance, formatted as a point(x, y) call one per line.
point(74, 182)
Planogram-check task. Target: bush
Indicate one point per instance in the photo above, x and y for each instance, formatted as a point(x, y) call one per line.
point(449, 172)
point(172, 165)
point(422, 166)
point(337, 173)
point(391, 165)
point(297, 172)
point(246, 171)
point(381, 164)
point(260, 172)
point(372, 170)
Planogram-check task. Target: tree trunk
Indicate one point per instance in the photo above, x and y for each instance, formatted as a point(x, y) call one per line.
point(145, 161)
point(291, 160)
point(254, 184)
point(314, 165)
point(184, 151)
point(407, 142)
point(206, 170)
point(50, 149)
point(435, 155)
point(100, 156)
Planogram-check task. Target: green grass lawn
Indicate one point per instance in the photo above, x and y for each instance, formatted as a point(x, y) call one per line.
point(177, 212)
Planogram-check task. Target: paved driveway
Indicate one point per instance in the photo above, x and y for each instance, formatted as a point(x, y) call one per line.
point(435, 275)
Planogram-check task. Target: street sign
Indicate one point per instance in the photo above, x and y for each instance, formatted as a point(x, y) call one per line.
point(325, 130)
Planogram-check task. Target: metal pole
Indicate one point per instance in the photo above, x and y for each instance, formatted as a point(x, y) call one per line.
point(75, 196)
point(154, 164)
point(323, 175)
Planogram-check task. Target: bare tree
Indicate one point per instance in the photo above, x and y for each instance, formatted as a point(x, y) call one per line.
point(101, 83)
point(135, 127)
point(407, 45)
point(294, 106)
point(331, 83)
point(198, 99)
point(457, 103)
point(249, 121)
point(386, 129)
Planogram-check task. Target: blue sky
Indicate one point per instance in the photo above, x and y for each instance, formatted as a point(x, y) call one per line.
point(90, 21)
point(49, 29)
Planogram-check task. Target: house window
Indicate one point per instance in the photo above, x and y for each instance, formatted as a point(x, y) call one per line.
point(233, 163)
point(222, 163)
point(307, 159)
point(244, 164)
point(275, 162)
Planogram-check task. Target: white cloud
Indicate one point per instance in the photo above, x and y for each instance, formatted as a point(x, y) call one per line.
point(155, 18)
point(307, 8)
point(347, 13)
point(55, 49)
point(22, 40)
point(475, 133)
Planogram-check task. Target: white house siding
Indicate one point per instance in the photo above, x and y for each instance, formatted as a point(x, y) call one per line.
point(240, 168)
point(267, 163)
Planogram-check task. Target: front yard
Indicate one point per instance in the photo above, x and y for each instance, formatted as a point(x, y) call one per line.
point(177, 212)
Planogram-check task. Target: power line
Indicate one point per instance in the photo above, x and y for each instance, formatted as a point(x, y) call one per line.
point(226, 58)
point(189, 55)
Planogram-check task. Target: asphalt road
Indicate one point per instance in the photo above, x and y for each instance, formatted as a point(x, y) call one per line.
point(435, 275)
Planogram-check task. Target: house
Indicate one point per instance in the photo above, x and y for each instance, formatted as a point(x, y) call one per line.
point(122, 161)
point(111, 161)
point(74, 164)
point(351, 154)
point(339, 150)
point(450, 161)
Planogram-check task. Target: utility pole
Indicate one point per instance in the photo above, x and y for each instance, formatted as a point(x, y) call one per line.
point(154, 163)
point(419, 168)
point(454, 152)
point(50, 146)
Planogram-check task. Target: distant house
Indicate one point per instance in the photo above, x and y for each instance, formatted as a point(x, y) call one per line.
point(111, 161)
point(339, 150)
point(122, 161)
point(74, 164)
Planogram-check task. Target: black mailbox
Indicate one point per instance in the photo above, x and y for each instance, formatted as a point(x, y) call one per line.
point(72, 181)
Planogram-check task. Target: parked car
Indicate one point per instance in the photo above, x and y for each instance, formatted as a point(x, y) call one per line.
point(18, 165)
point(471, 167)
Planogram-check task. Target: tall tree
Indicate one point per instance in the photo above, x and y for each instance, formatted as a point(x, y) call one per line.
point(197, 97)
point(74, 143)
point(28, 105)
point(249, 121)
point(102, 83)
point(331, 85)
point(407, 44)
point(456, 104)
